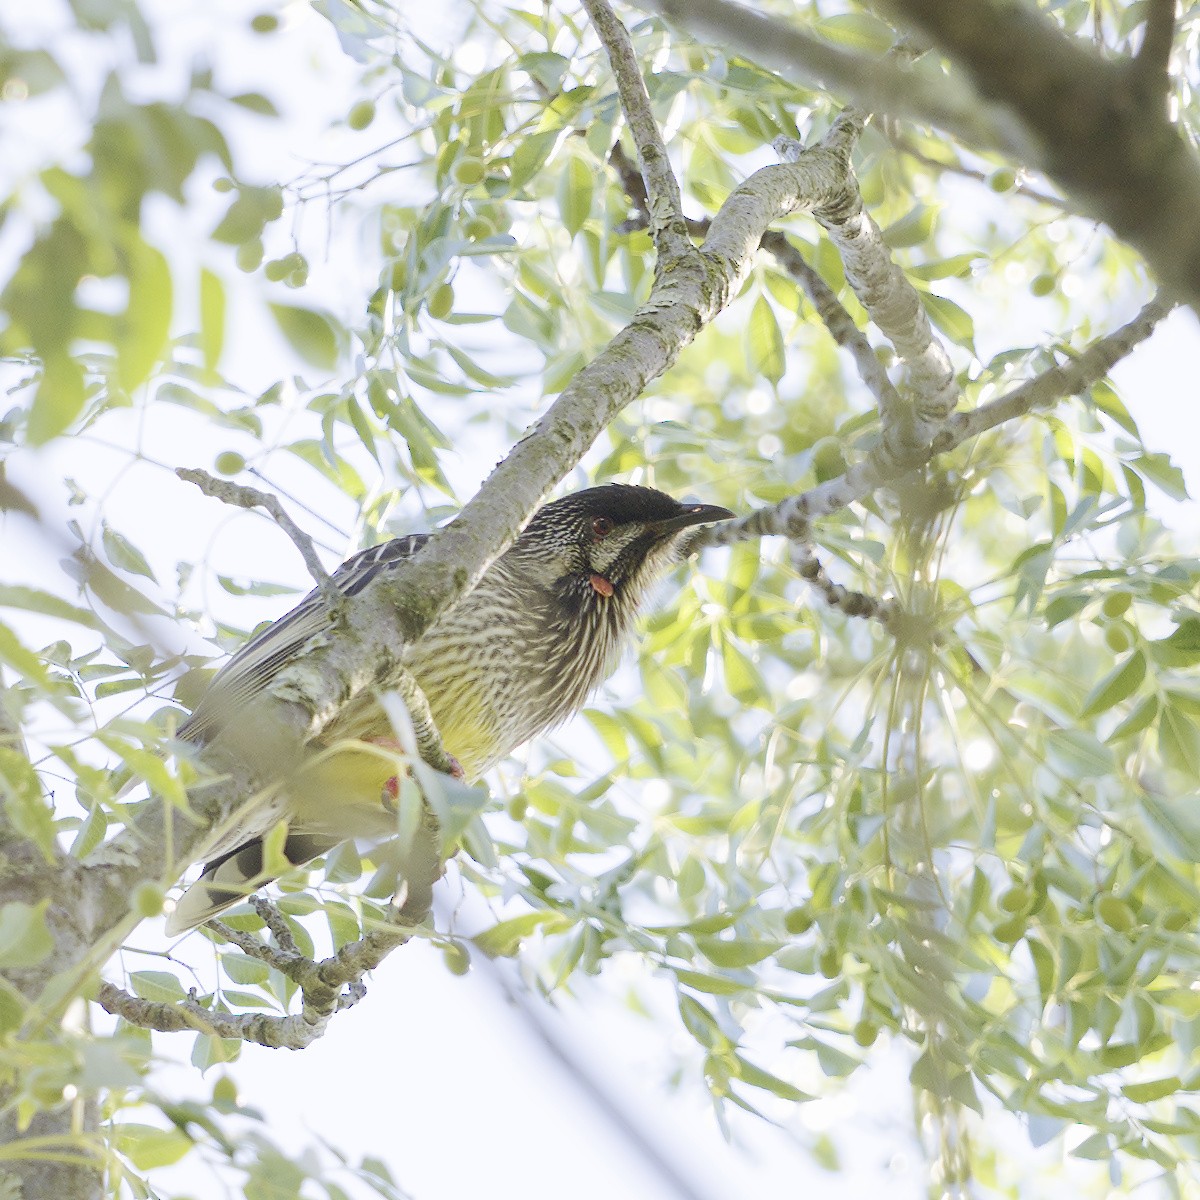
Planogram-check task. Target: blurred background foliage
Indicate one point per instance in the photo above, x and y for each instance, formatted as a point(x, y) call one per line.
point(975, 834)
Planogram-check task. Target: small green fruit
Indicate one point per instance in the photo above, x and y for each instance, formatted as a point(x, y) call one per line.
point(230, 462)
point(1116, 604)
point(468, 171)
point(798, 920)
point(865, 1032)
point(361, 114)
point(441, 303)
point(147, 900)
point(456, 958)
point(249, 255)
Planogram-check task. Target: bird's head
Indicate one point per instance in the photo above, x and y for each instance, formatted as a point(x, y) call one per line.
point(607, 545)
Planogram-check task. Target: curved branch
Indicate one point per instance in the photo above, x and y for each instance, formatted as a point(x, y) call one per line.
point(1097, 137)
point(664, 204)
point(877, 84)
point(241, 496)
point(793, 517)
point(893, 304)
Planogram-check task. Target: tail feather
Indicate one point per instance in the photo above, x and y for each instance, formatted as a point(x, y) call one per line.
point(228, 880)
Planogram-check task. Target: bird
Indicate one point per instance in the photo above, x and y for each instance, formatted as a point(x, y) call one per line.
point(518, 655)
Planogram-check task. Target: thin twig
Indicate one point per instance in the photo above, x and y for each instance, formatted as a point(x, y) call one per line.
point(241, 496)
point(326, 987)
point(665, 206)
point(272, 918)
point(852, 603)
point(837, 320)
point(956, 167)
point(1052, 385)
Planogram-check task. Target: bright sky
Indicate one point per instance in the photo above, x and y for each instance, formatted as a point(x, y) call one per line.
point(439, 1075)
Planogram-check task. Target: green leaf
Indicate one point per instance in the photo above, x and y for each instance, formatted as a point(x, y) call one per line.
point(1154, 1089)
point(212, 317)
point(57, 401)
point(736, 952)
point(1174, 824)
point(1081, 754)
point(575, 187)
point(955, 322)
point(159, 986)
point(747, 1072)
point(1121, 682)
point(24, 939)
point(764, 342)
point(256, 102)
point(504, 939)
point(1180, 648)
point(147, 1146)
point(123, 553)
point(857, 31)
point(741, 676)
point(699, 1022)
point(911, 229)
point(715, 985)
point(25, 804)
point(46, 603)
point(1179, 740)
point(1160, 471)
point(146, 323)
point(312, 334)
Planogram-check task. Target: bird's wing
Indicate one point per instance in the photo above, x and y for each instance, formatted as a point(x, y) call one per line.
point(257, 663)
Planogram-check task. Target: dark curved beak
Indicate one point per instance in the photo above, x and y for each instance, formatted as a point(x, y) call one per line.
point(692, 514)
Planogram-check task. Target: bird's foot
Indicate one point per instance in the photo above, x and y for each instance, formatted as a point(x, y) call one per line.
point(391, 788)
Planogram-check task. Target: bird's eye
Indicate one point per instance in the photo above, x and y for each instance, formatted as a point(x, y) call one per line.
point(601, 527)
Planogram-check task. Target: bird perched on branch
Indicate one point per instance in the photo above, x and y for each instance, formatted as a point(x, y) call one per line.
point(518, 655)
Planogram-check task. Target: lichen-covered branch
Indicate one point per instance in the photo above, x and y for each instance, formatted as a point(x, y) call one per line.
point(1019, 86)
point(1072, 377)
point(326, 985)
point(664, 204)
point(793, 517)
point(854, 604)
point(894, 306)
point(837, 320)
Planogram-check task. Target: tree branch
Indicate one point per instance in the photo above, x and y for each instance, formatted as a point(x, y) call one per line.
point(1026, 90)
point(837, 320)
point(793, 517)
point(853, 604)
point(1098, 139)
point(664, 205)
point(326, 986)
point(1150, 68)
point(893, 304)
point(877, 84)
point(1059, 381)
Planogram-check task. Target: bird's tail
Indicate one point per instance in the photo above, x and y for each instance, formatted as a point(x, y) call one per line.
point(229, 879)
